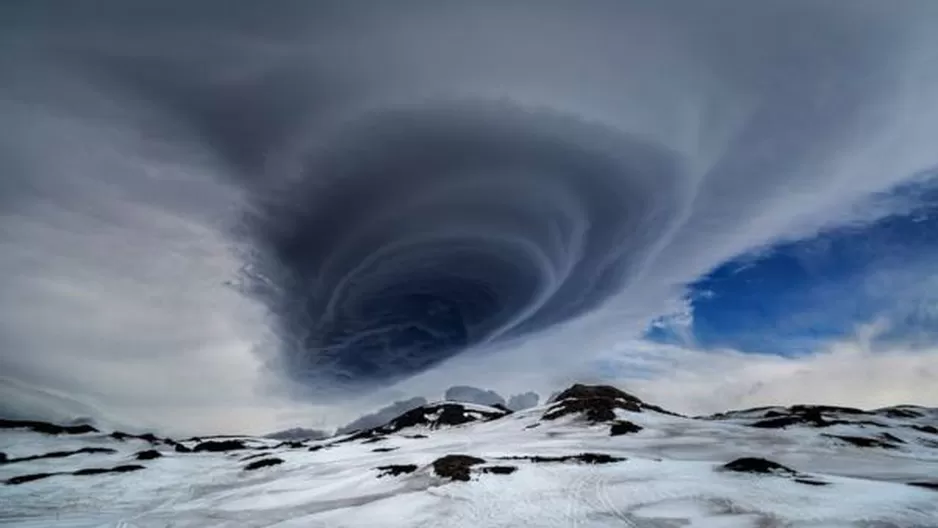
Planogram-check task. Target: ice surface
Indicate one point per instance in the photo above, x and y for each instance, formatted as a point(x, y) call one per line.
point(670, 478)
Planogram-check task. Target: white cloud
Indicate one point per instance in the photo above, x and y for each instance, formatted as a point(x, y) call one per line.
point(852, 372)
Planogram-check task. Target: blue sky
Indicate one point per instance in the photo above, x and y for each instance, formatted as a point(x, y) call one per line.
point(793, 297)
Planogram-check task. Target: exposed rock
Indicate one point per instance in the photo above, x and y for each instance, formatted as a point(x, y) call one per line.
point(621, 427)
point(252, 457)
point(801, 409)
point(593, 409)
point(316, 447)
point(455, 467)
point(862, 441)
point(597, 403)
point(416, 436)
point(148, 437)
point(812, 482)
point(438, 415)
point(22, 479)
point(502, 408)
point(90, 471)
point(127, 468)
point(3, 457)
point(46, 428)
point(382, 416)
point(395, 470)
point(891, 438)
point(499, 470)
point(584, 392)
point(898, 412)
point(215, 446)
point(587, 458)
point(180, 448)
point(432, 416)
point(758, 465)
point(265, 462)
point(778, 423)
point(802, 414)
point(933, 485)
point(63, 454)
point(384, 449)
point(925, 429)
point(149, 454)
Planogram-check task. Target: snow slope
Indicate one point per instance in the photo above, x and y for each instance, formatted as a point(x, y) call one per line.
point(672, 475)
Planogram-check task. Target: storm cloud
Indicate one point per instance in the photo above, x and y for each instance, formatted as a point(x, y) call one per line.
point(292, 203)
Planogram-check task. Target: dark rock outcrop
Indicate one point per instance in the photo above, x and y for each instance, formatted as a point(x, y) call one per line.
point(585, 392)
point(149, 454)
point(22, 479)
point(622, 427)
point(597, 403)
point(127, 468)
point(384, 449)
point(862, 441)
point(804, 415)
point(47, 428)
point(63, 454)
point(455, 467)
point(761, 466)
point(395, 470)
point(925, 429)
point(265, 462)
point(216, 446)
point(898, 412)
point(758, 465)
point(439, 415)
point(812, 482)
point(586, 458)
point(932, 485)
point(499, 470)
point(147, 437)
point(382, 416)
point(431, 416)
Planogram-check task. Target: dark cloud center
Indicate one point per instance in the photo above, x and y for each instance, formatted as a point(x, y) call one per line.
point(415, 233)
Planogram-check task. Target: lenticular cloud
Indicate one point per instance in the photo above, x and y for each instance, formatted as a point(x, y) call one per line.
point(399, 189)
point(416, 232)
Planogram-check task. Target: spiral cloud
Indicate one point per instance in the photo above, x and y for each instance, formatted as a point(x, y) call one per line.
point(319, 200)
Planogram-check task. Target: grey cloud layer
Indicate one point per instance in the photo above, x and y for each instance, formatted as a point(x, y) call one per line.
point(392, 187)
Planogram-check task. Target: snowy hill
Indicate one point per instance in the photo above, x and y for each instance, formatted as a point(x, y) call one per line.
point(594, 456)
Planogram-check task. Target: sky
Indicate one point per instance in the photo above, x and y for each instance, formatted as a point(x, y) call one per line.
point(221, 218)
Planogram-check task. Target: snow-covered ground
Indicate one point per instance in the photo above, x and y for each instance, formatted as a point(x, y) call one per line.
point(672, 476)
